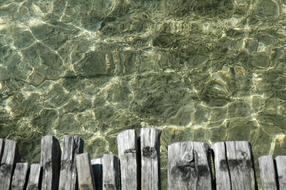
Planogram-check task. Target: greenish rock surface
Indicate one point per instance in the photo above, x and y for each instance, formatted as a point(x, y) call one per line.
point(204, 70)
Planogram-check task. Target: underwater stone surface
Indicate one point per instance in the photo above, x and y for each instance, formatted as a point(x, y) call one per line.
point(204, 70)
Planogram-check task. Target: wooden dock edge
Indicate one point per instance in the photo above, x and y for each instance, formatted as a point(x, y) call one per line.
point(191, 165)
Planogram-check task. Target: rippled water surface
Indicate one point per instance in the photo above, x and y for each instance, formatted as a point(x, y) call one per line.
point(204, 70)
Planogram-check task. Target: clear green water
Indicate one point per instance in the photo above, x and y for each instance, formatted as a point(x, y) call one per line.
point(204, 70)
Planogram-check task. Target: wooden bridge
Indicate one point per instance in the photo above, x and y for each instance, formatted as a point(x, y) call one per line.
point(191, 166)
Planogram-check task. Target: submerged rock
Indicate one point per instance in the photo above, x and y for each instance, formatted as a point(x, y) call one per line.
point(183, 7)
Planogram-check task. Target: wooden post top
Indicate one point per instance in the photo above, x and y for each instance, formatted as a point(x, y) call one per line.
point(227, 165)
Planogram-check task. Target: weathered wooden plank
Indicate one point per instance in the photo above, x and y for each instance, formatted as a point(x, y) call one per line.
point(150, 158)
point(240, 163)
point(204, 175)
point(20, 175)
point(281, 171)
point(181, 166)
point(1, 148)
point(68, 176)
point(51, 162)
point(35, 176)
point(188, 166)
point(128, 155)
point(111, 172)
point(267, 173)
point(84, 171)
point(8, 161)
point(222, 175)
point(97, 172)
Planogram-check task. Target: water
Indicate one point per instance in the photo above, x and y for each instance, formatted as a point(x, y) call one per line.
point(205, 70)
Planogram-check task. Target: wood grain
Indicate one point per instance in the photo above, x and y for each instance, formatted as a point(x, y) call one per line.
point(111, 172)
point(68, 176)
point(222, 175)
point(281, 171)
point(240, 163)
point(267, 173)
point(188, 166)
point(8, 161)
point(20, 176)
point(50, 162)
point(128, 155)
point(35, 177)
point(150, 158)
point(84, 171)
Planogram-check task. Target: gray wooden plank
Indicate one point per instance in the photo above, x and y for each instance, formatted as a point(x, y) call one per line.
point(202, 154)
point(267, 173)
point(181, 166)
point(8, 161)
point(97, 172)
point(240, 163)
point(35, 175)
point(188, 166)
point(20, 175)
point(128, 155)
point(68, 176)
point(281, 171)
point(111, 172)
point(1, 148)
point(222, 175)
point(150, 158)
point(85, 173)
point(51, 162)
